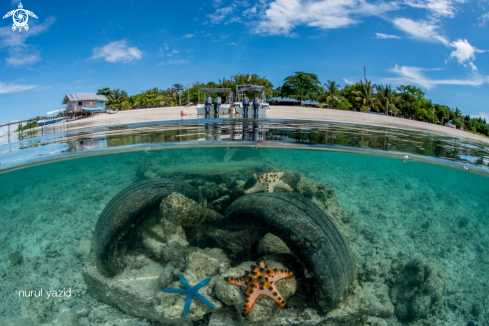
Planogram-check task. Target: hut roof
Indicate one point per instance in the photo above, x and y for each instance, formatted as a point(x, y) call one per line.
point(84, 97)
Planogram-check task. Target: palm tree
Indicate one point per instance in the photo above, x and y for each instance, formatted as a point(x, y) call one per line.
point(179, 89)
point(332, 94)
point(116, 97)
point(366, 95)
point(387, 98)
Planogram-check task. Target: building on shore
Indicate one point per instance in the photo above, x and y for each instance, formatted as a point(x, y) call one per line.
point(84, 103)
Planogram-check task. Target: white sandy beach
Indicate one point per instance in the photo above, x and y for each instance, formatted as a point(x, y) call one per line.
point(279, 112)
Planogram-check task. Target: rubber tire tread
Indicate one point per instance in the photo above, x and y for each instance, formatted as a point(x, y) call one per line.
point(306, 230)
point(124, 211)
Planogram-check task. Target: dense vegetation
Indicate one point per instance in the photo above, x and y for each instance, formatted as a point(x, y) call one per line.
point(405, 101)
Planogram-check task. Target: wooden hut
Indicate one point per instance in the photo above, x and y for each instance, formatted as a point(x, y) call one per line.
point(84, 103)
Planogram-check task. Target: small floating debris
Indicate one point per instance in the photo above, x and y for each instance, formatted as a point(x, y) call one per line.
point(405, 158)
point(147, 150)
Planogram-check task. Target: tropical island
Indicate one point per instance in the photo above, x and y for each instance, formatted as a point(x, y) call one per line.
point(405, 101)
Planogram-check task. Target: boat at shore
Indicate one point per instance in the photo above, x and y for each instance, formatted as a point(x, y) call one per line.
point(44, 122)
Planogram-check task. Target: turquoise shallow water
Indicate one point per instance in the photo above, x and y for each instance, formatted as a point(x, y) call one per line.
point(397, 212)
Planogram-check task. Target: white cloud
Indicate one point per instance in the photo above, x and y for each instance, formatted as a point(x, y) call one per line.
point(174, 62)
point(23, 59)
point(117, 51)
point(438, 8)
point(465, 52)
point(188, 36)
point(283, 16)
point(221, 14)
point(382, 36)
point(422, 30)
point(12, 88)
point(484, 19)
point(482, 115)
point(216, 3)
point(414, 75)
point(250, 11)
point(349, 81)
point(21, 53)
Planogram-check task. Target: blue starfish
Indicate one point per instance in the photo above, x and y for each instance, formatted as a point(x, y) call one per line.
point(190, 291)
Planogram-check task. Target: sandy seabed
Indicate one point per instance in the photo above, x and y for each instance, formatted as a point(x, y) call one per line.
point(398, 212)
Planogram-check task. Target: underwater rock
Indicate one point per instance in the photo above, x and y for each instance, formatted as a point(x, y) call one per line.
point(205, 263)
point(378, 296)
point(352, 311)
point(323, 195)
point(146, 169)
point(477, 308)
point(137, 292)
point(237, 242)
point(180, 210)
point(220, 204)
point(418, 290)
point(15, 258)
point(165, 240)
point(225, 317)
point(212, 191)
point(271, 244)
point(66, 317)
point(376, 321)
point(236, 189)
point(84, 247)
point(264, 307)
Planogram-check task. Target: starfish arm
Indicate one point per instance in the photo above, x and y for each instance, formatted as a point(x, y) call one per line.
point(201, 284)
point(239, 281)
point(184, 282)
point(203, 299)
point(283, 185)
point(278, 275)
point(250, 299)
point(187, 304)
point(256, 188)
point(10, 13)
point(180, 291)
point(275, 295)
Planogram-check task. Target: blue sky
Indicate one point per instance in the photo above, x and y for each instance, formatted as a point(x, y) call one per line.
point(81, 46)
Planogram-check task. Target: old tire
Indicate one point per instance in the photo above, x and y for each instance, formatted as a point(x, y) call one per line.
point(124, 211)
point(307, 231)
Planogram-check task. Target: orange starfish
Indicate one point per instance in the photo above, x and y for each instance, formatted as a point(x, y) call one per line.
point(261, 280)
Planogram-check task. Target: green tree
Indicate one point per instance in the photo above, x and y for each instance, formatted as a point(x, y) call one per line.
point(410, 101)
point(457, 123)
point(350, 96)
point(104, 91)
point(116, 97)
point(179, 88)
point(240, 79)
point(332, 94)
point(366, 96)
point(302, 86)
point(386, 98)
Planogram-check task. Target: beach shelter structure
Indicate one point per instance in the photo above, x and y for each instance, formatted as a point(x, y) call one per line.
point(83, 103)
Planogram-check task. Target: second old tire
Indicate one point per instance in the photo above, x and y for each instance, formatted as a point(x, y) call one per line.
point(124, 212)
point(308, 232)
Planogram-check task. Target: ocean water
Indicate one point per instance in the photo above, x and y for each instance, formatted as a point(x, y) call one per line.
point(397, 212)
